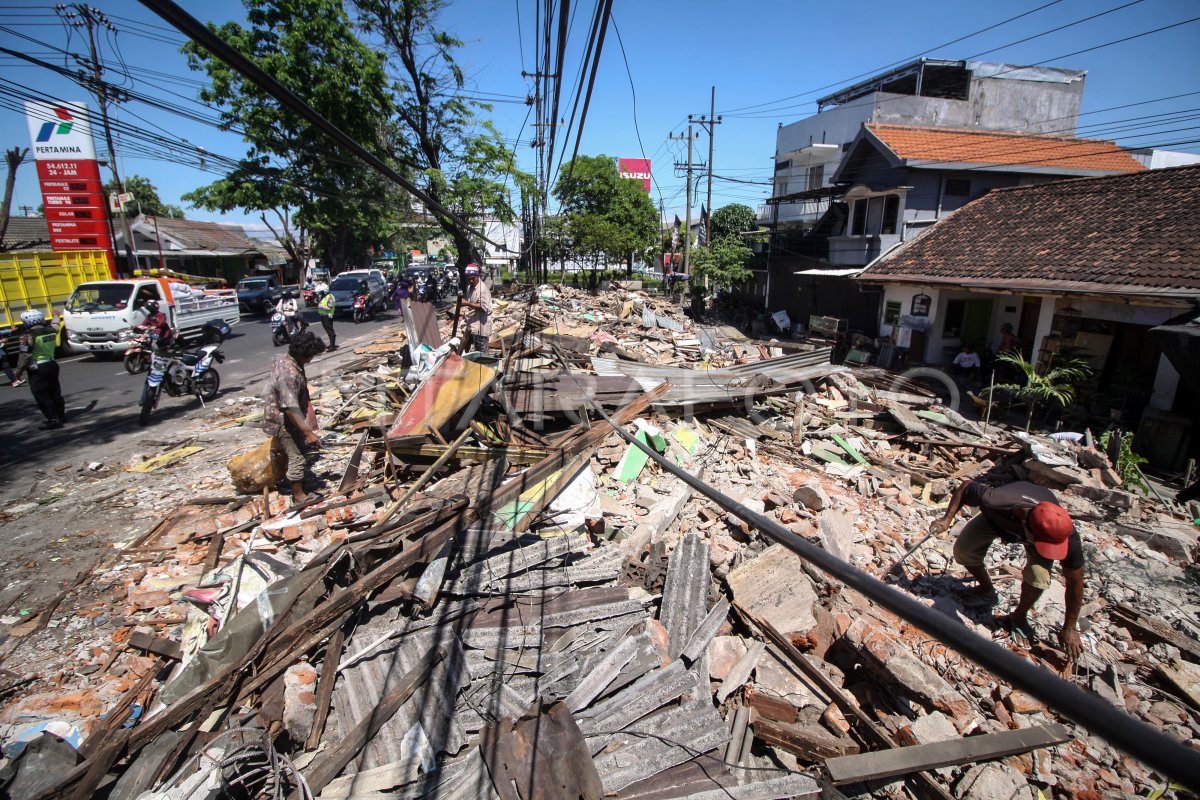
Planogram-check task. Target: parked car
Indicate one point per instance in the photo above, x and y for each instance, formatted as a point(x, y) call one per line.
point(258, 294)
point(346, 285)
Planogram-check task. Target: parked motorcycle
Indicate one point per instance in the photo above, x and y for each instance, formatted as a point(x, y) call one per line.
point(186, 374)
point(363, 308)
point(283, 328)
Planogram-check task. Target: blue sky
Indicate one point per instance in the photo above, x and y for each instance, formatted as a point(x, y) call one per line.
point(756, 54)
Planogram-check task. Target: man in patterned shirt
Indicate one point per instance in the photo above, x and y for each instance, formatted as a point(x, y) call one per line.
point(288, 414)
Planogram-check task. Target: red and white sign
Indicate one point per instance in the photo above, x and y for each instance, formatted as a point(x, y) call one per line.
point(636, 168)
point(72, 191)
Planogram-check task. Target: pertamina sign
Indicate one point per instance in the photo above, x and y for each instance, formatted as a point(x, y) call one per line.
point(636, 168)
point(72, 190)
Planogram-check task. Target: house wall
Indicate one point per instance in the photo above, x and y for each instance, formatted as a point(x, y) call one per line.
point(995, 104)
point(826, 295)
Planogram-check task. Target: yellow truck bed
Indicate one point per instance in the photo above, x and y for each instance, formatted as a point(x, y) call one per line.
point(45, 280)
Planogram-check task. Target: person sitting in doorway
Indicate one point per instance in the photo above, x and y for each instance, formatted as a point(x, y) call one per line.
point(966, 364)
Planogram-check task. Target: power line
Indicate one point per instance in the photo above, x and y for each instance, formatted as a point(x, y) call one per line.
point(898, 63)
point(633, 92)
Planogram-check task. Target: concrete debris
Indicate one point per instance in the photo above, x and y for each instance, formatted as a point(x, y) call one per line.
point(499, 573)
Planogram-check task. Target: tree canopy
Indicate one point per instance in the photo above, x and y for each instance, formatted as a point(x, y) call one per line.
point(723, 263)
point(732, 220)
point(145, 197)
point(311, 47)
point(606, 217)
point(463, 160)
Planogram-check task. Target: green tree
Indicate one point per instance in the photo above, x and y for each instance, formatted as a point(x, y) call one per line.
point(145, 198)
point(310, 46)
point(466, 166)
point(722, 263)
point(609, 218)
point(732, 220)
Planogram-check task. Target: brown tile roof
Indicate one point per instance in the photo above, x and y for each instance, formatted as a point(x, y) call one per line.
point(954, 146)
point(196, 235)
point(1125, 234)
point(27, 233)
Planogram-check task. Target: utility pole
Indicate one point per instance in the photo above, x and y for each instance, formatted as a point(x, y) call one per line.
point(687, 233)
point(79, 15)
point(707, 122)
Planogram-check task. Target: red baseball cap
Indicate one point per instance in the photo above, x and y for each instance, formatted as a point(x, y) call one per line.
point(1051, 527)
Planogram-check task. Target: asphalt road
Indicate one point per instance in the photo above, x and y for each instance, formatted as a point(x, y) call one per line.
point(102, 398)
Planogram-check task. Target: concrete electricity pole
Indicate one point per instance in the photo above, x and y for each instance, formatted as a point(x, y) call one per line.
point(707, 122)
point(79, 15)
point(687, 233)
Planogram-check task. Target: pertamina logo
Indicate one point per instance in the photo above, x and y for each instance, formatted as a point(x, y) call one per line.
point(61, 128)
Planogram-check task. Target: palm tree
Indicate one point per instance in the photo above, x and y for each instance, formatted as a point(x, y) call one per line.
point(1057, 385)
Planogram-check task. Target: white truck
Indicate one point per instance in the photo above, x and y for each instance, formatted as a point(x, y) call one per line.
point(100, 315)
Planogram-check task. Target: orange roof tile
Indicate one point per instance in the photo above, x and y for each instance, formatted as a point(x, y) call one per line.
point(957, 146)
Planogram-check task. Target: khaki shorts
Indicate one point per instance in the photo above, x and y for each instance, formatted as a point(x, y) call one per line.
point(976, 535)
point(294, 446)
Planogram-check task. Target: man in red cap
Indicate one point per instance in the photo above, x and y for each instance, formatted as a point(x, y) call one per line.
point(1028, 514)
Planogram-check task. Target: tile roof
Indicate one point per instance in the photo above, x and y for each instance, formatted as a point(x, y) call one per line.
point(1127, 234)
point(195, 235)
point(27, 233)
point(932, 146)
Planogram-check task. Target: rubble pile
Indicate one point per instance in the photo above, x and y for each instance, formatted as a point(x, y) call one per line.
point(497, 596)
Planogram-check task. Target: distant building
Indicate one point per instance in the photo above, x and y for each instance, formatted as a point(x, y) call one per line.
point(204, 249)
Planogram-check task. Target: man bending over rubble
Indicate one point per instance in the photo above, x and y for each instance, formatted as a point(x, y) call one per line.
point(288, 412)
point(1028, 514)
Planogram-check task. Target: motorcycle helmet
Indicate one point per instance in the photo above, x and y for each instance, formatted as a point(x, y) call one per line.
point(33, 317)
point(151, 307)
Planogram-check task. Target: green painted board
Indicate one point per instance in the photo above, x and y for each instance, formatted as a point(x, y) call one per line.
point(857, 456)
point(688, 438)
point(827, 456)
point(634, 460)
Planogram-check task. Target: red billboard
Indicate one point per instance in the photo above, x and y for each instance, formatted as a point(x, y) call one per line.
point(636, 168)
point(72, 191)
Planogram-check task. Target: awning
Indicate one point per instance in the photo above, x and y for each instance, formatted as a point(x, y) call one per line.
point(845, 272)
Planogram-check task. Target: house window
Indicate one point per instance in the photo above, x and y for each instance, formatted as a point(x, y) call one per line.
point(858, 223)
point(952, 327)
point(891, 312)
point(958, 187)
point(891, 210)
point(816, 176)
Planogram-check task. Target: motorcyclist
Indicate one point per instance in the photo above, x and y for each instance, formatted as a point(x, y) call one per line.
point(157, 324)
point(290, 309)
point(38, 342)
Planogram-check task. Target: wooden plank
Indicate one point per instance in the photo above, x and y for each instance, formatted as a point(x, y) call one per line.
point(903, 760)
point(333, 655)
point(811, 743)
point(157, 645)
point(1184, 677)
point(1131, 617)
point(515, 455)
point(857, 456)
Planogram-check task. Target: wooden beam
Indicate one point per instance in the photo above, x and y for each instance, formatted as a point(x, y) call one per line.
point(333, 655)
point(1131, 617)
point(811, 743)
point(903, 760)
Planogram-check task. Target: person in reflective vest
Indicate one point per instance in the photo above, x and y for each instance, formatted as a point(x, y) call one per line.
point(325, 309)
point(38, 342)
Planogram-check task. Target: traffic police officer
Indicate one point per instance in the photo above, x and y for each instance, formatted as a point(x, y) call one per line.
point(38, 342)
point(325, 309)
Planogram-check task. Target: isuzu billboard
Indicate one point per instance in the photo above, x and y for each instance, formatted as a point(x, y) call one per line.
point(636, 168)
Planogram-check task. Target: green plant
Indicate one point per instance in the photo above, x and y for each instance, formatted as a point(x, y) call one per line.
point(1057, 385)
point(1129, 463)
